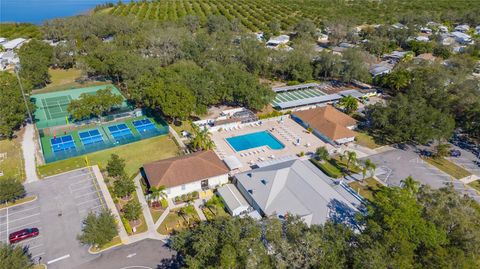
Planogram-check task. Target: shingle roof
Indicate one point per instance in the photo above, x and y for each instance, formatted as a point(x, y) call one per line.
point(184, 169)
point(328, 121)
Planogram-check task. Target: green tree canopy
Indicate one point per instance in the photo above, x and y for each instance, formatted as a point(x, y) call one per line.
point(123, 186)
point(12, 108)
point(96, 105)
point(14, 257)
point(132, 210)
point(99, 229)
point(35, 58)
point(11, 190)
point(115, 166)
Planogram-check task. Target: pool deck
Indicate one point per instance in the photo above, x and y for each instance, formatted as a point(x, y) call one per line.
point(286, 131)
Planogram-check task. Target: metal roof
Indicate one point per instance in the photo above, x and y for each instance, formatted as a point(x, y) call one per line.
point(299, 188)
point(310, 101)
point(353, 93)
point(295, 87)
point(232, 162)
point(232, 197)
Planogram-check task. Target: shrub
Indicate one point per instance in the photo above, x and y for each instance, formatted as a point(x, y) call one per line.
point(164, 203)
point(127, 226)
point(11, 190)
point(132, 210)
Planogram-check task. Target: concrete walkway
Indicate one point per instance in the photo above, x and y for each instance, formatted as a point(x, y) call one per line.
point(176, 137)
point(197, 203)
point(28, 148)
point(110, 204)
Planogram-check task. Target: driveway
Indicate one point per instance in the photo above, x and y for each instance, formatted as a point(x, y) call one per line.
point(63, 202)
point(399, 164)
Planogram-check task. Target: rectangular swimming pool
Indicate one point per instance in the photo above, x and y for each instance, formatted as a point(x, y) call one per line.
point(254, 140)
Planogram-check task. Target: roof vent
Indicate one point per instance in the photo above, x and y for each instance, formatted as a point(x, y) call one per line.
point(249, 175)
point(264, 182)
point(250, 191)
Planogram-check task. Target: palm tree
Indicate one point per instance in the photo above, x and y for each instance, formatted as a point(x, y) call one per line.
point(186, 212)
point(410, 184)
point(349, 104)
point(157, 192)
point(364, 172)
point(213, 203)
point(201, 139)
point(442, 150)
point(321, 154)
point(370, 167)
point(351, 158)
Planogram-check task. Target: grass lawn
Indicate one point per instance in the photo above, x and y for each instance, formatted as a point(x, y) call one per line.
point(339, 163)
point(135, 155)
point(156, 213)
point(115, 241)
point(185, 126)
point(448, 167)
point(175, 223)
point(475, 184)
point(218, 212)
point(12, 165)
point(328, 168)
point(19, 201)
point(64, 79)
point(367, 189)
point(366, 140)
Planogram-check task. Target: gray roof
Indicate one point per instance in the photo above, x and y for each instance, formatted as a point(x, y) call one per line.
point(298, 187)
point(232, 197)
point(294, 87)
point(310, 101)
point(353, 93)
point(232, 162)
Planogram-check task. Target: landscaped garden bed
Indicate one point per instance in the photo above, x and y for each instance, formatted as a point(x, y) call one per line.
point(179, 219)
point(186, 198)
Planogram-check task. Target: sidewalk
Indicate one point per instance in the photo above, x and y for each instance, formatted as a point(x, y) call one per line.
point(197, 203)
point(28, 149)
point(110, 204)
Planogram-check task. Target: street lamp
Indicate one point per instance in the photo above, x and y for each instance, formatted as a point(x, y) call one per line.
point(23, 94)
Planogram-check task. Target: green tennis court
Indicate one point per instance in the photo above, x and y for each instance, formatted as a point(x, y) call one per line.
point(51, 108)
point(288, 96)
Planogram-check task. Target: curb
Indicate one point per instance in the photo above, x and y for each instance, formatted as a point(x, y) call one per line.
point(22, 203)
point(100, 251)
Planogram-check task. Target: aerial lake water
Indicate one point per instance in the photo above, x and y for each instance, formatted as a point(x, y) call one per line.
point(37, 11)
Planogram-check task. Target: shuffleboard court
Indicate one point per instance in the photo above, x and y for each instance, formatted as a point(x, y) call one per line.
point(144, 126)
point(63, 143)
point(91, 137)
point(120, 132)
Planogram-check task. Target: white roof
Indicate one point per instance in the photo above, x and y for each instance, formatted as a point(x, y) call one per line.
point(460, 35)
point(462, 27)
point(232, 162)
point(233, 199)
point(2, 40)
point(279, 39)
point(12, 44)
point(422, 38)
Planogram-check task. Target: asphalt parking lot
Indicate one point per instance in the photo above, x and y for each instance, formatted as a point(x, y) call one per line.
point(399, 164)
point(467, 160)
point(63, 202)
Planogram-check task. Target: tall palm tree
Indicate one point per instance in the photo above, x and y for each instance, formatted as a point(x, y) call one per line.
point(187, 211)
point(157, 192)
point(349, 104)
point(351, 158)
point(370, 167)
point(410, 184)
point(201, 139)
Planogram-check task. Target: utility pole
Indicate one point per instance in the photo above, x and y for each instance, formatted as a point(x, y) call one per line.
point(23, 94)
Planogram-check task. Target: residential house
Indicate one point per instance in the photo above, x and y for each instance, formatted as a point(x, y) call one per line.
point(462, 38)
point(422, 38)
point(14, 43)
point(426, 30)
point(3, 40)
point(477, 30)
point(328, 123)
point(381, 68)
point(462, 28)
point(184, 174)
point(277, 41)
point(395, 56)
point(443, 29)
point(298, 188)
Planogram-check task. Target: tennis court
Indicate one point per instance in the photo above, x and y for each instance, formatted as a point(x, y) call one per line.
point(62, 143)
point(120, 132)
point(282, 97)
point(51, 108)
point(144, 126)
point(91, 137)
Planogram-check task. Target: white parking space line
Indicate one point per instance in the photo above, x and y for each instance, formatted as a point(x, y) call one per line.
point(21, 226)
point(88, 201)
point(31, 239)
point(37, 255)
point(90, 208)
point(26, 217)
point(12, 211)
point(77, 189)
point(37, 246)
point(76, 197)
point(59, 259)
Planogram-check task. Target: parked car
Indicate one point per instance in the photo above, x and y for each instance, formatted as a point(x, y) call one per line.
point(23, 234)
point(426, 153)
point(455, 153)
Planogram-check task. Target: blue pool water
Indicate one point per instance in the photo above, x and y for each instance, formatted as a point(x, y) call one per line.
point(254, 140)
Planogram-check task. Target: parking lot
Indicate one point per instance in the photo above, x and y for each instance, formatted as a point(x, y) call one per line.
point(399, 164)
point(467, 160)
point(62, 204)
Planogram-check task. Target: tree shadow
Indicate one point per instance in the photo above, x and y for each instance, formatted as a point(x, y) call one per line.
point(174, 262)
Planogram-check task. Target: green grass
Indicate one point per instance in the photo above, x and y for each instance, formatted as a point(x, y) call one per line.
point(143, 226)
point(18, 202)
point(16, 30)
point(114, 242)
point(156, 214)
point(448, 167)
point(184, 126)
point(12, 165)
point(366, 189)
point(366, 140)
point(135, 155)
point(475, 184)
point(217, 212)
point(175, 223)
point(328, 168)
point(65, 79)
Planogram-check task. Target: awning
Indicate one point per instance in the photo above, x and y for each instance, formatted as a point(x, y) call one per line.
point(232, 162)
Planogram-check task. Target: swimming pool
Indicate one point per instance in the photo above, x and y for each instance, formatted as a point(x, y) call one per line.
point(254, 140)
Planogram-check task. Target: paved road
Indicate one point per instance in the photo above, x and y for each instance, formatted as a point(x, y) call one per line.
point(399, 164)
point(62, 204)
point(146, 254)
